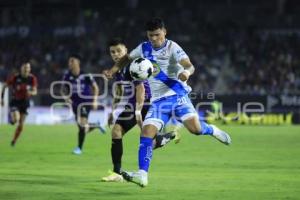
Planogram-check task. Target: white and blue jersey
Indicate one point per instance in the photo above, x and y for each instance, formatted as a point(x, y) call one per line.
point(164, 81)
point(169, 94)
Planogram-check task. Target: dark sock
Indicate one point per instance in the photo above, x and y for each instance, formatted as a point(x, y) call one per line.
point(116, 154)
point(81, 136)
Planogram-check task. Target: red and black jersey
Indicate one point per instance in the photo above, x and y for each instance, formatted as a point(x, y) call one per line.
point(20, 85)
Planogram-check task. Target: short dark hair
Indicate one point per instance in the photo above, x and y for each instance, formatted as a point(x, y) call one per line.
point(155, 23)
point(23, 62)
point(116, 41)
point(75, 55)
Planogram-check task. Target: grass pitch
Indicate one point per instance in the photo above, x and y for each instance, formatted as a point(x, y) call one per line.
point(262, 163)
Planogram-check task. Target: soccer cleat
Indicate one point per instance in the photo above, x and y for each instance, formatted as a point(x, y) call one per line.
point(140, 178)
point(77, 151)
point(112, 177)
point(220, 135)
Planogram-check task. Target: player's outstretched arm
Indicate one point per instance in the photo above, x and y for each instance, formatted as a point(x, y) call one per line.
point(188, 70)
point(123, 62)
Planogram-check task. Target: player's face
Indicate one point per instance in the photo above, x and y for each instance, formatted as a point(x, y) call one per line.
point(73, 63)
point(157, 37)
point(117, 52)
point(25, 69)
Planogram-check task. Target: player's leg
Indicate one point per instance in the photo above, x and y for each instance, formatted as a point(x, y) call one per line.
point(158, 114)
point(88, 127)
point(202, 128)
point(161, 138)
point(82, 121)
point(19, 128)
point(188, 115)
point(116, 154)
point(125, 122)
point(81, 114)
point(14, 115)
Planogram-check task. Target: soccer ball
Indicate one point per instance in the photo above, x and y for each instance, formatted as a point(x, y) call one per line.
point(141, 69)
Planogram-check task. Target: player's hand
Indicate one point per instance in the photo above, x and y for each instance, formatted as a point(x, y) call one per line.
point(108, 74)
point(110, 119)
point(1, 103)
point(139, 119)
point(183, 76)
point(29, 93)
point(95, 105)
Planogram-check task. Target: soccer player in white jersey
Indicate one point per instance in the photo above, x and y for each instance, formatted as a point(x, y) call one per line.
point(169, 94)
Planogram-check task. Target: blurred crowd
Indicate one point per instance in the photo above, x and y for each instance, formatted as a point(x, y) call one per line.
point(240, 51)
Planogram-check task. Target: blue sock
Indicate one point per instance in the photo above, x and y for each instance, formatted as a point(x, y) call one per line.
point(206, 129)
point(145, 153)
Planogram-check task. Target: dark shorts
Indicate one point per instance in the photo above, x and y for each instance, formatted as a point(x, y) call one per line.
point(83, 111)
point(19, 105)
point(127, 120)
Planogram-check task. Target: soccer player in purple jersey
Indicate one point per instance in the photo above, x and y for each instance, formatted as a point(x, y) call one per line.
point(83, 91)
point(136, 107)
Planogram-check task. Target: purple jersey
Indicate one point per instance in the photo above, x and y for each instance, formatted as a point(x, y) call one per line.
point(125, 77)
point(81, 90)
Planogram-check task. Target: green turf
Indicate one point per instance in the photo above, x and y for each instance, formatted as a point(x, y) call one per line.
point(263, 163)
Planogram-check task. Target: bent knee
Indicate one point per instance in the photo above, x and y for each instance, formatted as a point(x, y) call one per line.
point(117, 132)
point(194, 130)
point(149, 131)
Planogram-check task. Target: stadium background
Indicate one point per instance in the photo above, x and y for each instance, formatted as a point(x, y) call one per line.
point(243, 51)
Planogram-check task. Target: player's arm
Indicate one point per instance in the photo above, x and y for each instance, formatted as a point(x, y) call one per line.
point(115, 101)
point(188, 70)
point(140, 98)
point(33, 90)
point(9, 82)
point(2, 93)
point(64, 91)
point(123, 62)
point(95, 89)
point(117, 98)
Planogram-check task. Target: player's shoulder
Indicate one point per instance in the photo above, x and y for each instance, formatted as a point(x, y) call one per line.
point(66, 74)
point(32, 76)
point(172, 45)
point(16, 76)
point(12, 78)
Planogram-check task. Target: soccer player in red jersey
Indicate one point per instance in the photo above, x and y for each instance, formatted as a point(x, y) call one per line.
point(23, 86)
